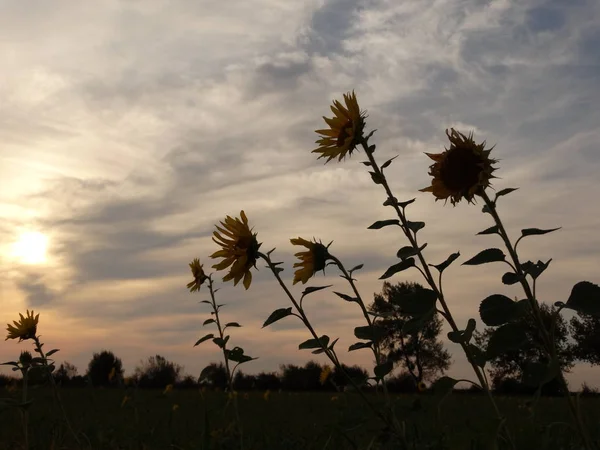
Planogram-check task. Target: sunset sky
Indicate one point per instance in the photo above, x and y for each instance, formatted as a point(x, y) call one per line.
point(129, 128)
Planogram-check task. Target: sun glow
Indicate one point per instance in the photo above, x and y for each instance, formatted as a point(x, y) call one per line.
point(31, 247)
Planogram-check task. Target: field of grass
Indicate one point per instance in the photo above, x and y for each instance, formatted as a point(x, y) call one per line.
point(188, 419)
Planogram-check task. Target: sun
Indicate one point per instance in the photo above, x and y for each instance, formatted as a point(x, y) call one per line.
point(31, 247)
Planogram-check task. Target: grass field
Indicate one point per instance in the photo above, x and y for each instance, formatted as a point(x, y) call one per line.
point(150, 420)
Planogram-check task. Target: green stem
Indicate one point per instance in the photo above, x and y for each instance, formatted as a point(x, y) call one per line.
point(25, 410)
point(312, 331)
point(57, 396)
point(224, 349)
point(429, 277)
point(547, 339)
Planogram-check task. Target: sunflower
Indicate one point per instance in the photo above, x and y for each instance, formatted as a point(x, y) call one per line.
point(345, 129)
point(311, 261)
point(198, 274)
point(462, 171)
point(421, 387)
point(25, 328)
point(239, 249)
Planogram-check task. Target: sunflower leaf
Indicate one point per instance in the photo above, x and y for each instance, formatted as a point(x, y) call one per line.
point(585, 298)
point(406, 203)
point(366, 163)
point(51, 352)
point(486, 256)
point(497, 309)
point(323, 341)
point(207, 321)
point(402, 265)
point(377, 178)
point(360, 266)
point(510, 278)
point(408, 251)
point(449, 260)
point(508, 337)
point(333, 343)
point(443, 386)
point(346, 297)
point(232, 324)
point(504, 192)
point(536, 231)
point(490, 230)
point(205, 338)
point(10, 363)
point(359, 345)
point(383, 223)
point(381, 370)
point(311, 289)
point(414, 226)
point(534, 270)
point(388, 162)
point(276, 315)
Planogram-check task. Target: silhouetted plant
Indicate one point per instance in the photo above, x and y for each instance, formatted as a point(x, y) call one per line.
point(105, 369)
point(157, 372)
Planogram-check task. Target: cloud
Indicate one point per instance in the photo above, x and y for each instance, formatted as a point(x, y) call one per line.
point(129, 132)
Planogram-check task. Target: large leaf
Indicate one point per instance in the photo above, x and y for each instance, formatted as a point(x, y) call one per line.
point(381, 370)
point(402, 265)
point(506, 338)
point(486, 256)
point(383, 223)
point(415, 226)
point(449, 260)
point(534, 270)
point(497, 309)
point(408, 251)
point(221, 342)
point(465, 335)
point(370, 332)
point(478, 356)
point(208, 321)
point(323, 341)
point(276, 315)
point(359, 345)
point(236, 354)
point(443, 386)
point(205, 338)
point(311, 289)
point(536, 231)
point(585, 298)
point(510, 278)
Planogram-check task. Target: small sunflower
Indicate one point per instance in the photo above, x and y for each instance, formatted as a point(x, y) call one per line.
point(421, 387)
point(311, 261)
point(345, 129)
point(462, 171)
point(198, 274)
point(239, 249)
point(324, 376)
point(25, 328)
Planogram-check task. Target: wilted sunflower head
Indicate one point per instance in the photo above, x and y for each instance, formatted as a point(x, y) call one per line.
point(462, 171)
point(198, 274)
point(311, 261)
point(25, 328)
point(239, 249)
point(345, 129)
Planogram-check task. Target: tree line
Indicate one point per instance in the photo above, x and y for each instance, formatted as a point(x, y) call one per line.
point(419, 357)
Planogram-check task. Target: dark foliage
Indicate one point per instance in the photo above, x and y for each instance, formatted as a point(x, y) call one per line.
point(105, 369)
point(157, 372)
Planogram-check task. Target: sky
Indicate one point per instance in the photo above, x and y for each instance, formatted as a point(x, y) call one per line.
point(130, 128)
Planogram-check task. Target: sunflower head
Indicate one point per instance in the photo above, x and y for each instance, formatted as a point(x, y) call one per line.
point(239, 249)
point(421, 387)
point(25, 359)
point(311, 261)
point(25, 328)
point(198, 274)
point(462, 171)
point(345, 129)
point(324, 376)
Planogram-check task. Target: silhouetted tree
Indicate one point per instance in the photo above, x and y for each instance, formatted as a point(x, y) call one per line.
point(65, 373)
point(215, 376)
point(585, 330)
point(243, 382)
point(268, 381)
point(507, 368)
point(105, 369)
point(296, 378)
point(404, 383)
point(157, 372)
point(187, 382)
point(420, 354)
point(357, 373)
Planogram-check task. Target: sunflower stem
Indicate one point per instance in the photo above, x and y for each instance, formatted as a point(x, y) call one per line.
point(546, 337)
point(430, 280)
point(332, 357)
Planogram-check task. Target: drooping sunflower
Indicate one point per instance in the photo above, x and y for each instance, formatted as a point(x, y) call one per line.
point(462, 171)
point(198, 274)
point(345, 129)
point(239, 249)
point(311, 261)
point(25, 328)
point(324, 375)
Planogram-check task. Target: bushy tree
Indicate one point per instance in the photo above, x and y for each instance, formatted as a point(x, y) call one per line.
point(105, 369)
point(215, 376)
point(243, 382)
point(65, 373)
point(296, 378)
point(267, 381)
point(357, 373)
point(507, 368)
point(157, 372)
point(420, 354)
point(585, 331)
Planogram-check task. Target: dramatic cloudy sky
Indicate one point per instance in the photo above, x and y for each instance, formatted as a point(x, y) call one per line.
point(128, 129)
